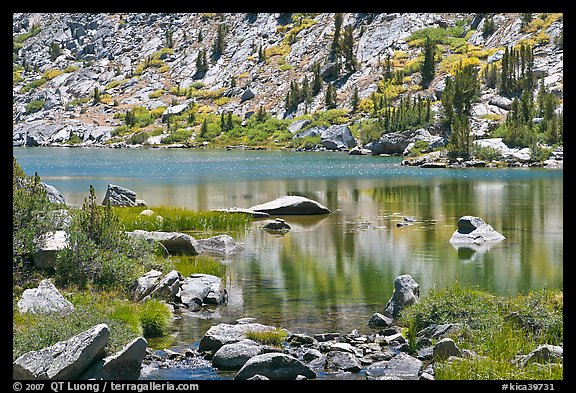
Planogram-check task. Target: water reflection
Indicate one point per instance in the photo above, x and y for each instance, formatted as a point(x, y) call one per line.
point(332, 272)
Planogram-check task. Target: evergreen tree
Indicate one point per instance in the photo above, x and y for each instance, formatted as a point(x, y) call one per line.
point(488, 28)
point(330, 98)
point(387, 73)
point(261, 55)
point(201, 62)
point(457, 99)
point(54, 51)
point(203, 129)
point(169, 40)
point(335, 48)
point(355, 101)
point(428, 66)
point(316, 79)
point(219, 44)
point(350, 61)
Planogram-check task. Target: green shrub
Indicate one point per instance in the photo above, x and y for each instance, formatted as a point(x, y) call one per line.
point(33, 216)
point(179, 136)
point(496, 328)
point(35, 106)
point(100, 253)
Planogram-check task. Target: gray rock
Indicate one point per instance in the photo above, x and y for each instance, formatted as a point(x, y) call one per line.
point(234, 355)
point(292, 205)
point(337, 360)
point(543, 354)
point(119, 196)
point(277, 225)
point(379, 321)
point(46, 299)
point(297, 125)
point(146, 284)
point(223, 333)
point(221, 245)
point(473, 230)
point(446, 348)
point(400, 367)
point(65, 359)
point(274, 366)
point(406, 292)
point(45, 256)
point(53, 194)
point(200, 289)
point(501, 102)
point(337, 137)
point(174, 242)
point(314, 131)
point(168, 287)
point(123, 365)
point(248, 94)
point(255, 214)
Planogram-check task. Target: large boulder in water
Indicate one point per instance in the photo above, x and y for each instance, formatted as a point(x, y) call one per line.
point(292, 205)
point(473, 230)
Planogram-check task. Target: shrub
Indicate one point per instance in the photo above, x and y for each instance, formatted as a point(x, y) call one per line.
point(100, 253)
point(33, 216)
point(35, 106)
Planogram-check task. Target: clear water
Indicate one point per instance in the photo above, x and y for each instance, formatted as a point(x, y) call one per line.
point(331, 273)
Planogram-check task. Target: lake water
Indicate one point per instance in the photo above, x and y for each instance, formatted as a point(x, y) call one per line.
point(331, 273)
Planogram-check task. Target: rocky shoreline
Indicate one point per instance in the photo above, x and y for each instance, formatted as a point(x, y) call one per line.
point(235, 352)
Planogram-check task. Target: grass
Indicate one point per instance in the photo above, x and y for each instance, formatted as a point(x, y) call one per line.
point(187, 265)
point(126, 319)
point(268, 337)
point(490, 331)
point(180, 219)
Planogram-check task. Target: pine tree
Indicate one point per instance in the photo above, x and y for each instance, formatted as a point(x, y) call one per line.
point(330, 98)
point(219, 44)
point(350, 61)
point(428, 66)
point(201, 62)
point(335, 48)
point(355, 101)
point(169, 40)
point(316, 79)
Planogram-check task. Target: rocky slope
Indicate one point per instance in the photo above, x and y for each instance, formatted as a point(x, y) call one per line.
point(62, 61)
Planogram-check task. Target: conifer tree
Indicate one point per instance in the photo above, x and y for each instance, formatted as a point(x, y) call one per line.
point(330, 98)
point(355, 101)
point(347, 45)
point(335, 48)
point(316, 79)
point(428, 66)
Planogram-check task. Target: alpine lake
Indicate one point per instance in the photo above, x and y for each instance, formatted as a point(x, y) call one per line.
point(330, 273)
